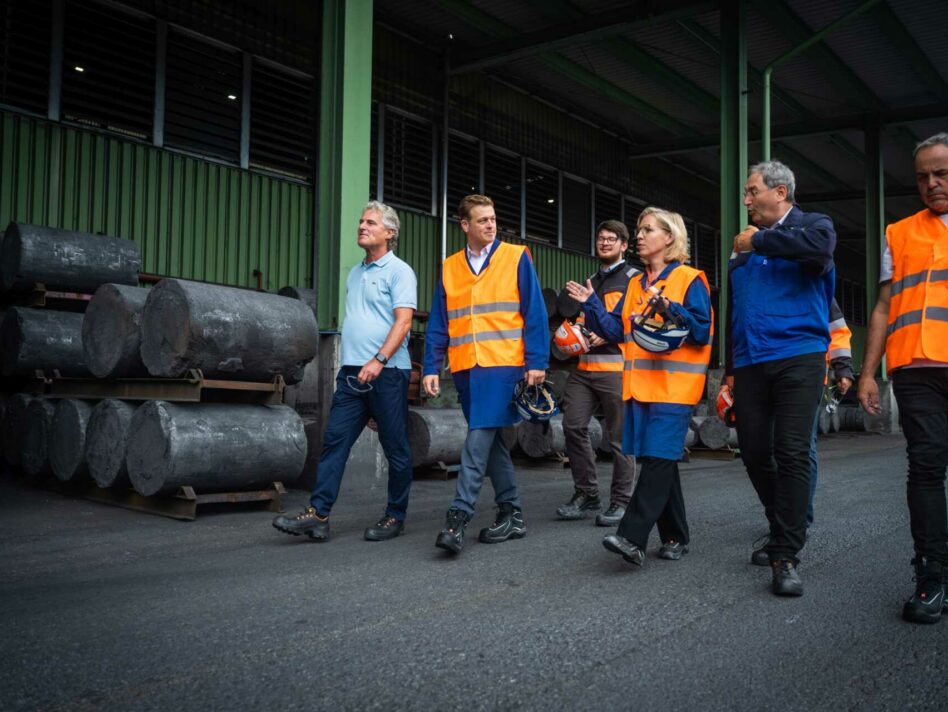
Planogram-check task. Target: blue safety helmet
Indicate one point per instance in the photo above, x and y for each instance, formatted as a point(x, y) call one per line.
point(535, 403)
point(658, 337)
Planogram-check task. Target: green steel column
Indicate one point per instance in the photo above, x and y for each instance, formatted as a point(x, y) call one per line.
point(733, 141)
point(875, 212)
point(344, 142)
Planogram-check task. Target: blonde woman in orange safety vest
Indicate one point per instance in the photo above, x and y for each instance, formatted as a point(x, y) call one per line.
point(910, 324)
point(665, 365)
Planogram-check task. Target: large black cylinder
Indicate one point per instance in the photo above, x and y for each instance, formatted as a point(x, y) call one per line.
point(111, 332)
point(67, 439)
point(436, 435)
point(35, 451)
point(226, 332)
point(106, 438)
point(65, 259)
point(303, 294)
point(213, 446)
point(14, 427)
point(41, 339)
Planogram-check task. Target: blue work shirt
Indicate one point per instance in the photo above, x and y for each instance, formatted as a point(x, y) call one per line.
point(373, 292)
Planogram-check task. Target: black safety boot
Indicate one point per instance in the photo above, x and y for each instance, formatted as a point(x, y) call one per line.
point(307, 522)
point(625, 548)
point(672, 550)
point(384, 529)
point(451, 537)
point(611, 517)
point(786, 580)
point(759, 556)
point(508, 524)
point(928, 602)
point(579, 506)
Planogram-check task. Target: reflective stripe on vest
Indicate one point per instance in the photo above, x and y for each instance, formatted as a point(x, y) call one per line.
point(485, 327)
point(608, 358)
point(918, 306)
point(675, 377)
point(601, 363)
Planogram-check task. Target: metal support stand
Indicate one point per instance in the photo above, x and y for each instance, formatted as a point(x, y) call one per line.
point(184, 504)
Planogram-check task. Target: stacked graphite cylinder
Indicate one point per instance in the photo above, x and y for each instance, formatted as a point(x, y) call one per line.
point(129, 332)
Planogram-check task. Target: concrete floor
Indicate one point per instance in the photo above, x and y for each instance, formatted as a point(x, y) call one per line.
point(103, 608)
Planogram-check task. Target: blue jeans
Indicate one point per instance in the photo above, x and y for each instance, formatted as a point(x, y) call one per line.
point(387, 403)
point(814, 468)
point(485, 453)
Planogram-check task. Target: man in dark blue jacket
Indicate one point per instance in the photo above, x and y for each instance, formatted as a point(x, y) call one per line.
point(781, 280)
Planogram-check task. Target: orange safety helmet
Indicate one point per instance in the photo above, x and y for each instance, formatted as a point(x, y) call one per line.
point(571, 339)
point(725, 407)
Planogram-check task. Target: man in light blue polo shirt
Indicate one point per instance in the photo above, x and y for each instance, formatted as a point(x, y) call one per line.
point(381, 297)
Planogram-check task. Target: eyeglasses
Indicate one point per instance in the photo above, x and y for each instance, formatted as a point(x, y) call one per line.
point(601, 240)
point(755, 191)
point(649, 230)
point(354, 384)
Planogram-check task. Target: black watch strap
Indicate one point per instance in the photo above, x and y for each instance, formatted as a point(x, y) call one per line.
point(381, 358)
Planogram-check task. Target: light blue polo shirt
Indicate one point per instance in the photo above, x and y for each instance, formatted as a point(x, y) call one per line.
point(373, 292)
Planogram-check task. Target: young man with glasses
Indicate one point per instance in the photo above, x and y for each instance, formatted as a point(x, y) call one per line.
point(597, 381)
point(381, 297)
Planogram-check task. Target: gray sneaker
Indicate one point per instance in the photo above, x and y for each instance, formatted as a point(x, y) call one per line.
point(611, 517)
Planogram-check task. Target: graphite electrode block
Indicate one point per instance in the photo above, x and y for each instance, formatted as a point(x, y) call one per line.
point(35, 451)
point(41, 339)
point(65, 259)
point(213, 446)
point(106, 439)
point(111, 332)
point(67, 439)
point(226, 333)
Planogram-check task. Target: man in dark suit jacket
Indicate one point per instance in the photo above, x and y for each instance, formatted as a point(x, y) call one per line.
point(781, 279)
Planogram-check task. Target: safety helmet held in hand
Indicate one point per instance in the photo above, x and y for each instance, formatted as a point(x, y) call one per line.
point(571, 339)
point(535, 403)
point(658, 336)
point(725, 407)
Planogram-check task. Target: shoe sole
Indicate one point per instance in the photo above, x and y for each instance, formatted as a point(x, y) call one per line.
point(486, 539)
point(311, 535)
point(584, 514)
point(795, 593)
point(672, 556)
point(447, 545)
point(600, 522)
point(616, 550)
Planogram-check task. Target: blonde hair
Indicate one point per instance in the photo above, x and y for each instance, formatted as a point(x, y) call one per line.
point(677, 251)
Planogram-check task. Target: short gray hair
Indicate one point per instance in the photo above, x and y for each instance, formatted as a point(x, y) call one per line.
point(775, 173)
point(939, 139)
point(389, 219)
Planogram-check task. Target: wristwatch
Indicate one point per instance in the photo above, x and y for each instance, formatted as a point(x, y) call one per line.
point(381, 358)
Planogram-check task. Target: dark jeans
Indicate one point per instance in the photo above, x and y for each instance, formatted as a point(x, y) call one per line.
point(656, 499)
point(922, 394)
point(776, 404)
point(585, 390)
point(387, 403)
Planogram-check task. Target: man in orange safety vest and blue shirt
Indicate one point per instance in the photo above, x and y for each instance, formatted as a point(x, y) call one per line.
point(489, 318)
point(910, 324)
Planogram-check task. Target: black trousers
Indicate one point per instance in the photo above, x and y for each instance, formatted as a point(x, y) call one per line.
point(922, 394)
point(656, 499)
point(776, 404)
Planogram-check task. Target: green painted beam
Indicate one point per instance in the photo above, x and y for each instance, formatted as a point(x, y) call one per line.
point(902, 39)
point(344, 139)
point(733, 142)
point(875, 212)
point(796, 31)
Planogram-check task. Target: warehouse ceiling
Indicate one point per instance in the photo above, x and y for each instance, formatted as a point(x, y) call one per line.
point(649, 71)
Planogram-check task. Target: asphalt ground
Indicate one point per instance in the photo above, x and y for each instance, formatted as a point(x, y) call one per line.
point(104, 608)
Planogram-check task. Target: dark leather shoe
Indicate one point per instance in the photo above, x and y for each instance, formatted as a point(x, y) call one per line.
point(384, 529)
point(759, 556)
point(580, 506)
point(672, 550)
point(625, 548)
point(786, 581)
point(307, 522)
point(611, 517)
point(451, 537)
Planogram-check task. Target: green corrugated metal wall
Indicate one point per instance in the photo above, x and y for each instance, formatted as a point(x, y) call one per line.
point(191, 218)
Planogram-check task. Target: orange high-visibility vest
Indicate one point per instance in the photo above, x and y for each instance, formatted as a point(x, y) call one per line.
point(485, 326)
point(674, 377)
point(607, 358)
point(918, 308)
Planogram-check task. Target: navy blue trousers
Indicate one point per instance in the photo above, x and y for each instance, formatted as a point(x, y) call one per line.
point(387, 403)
